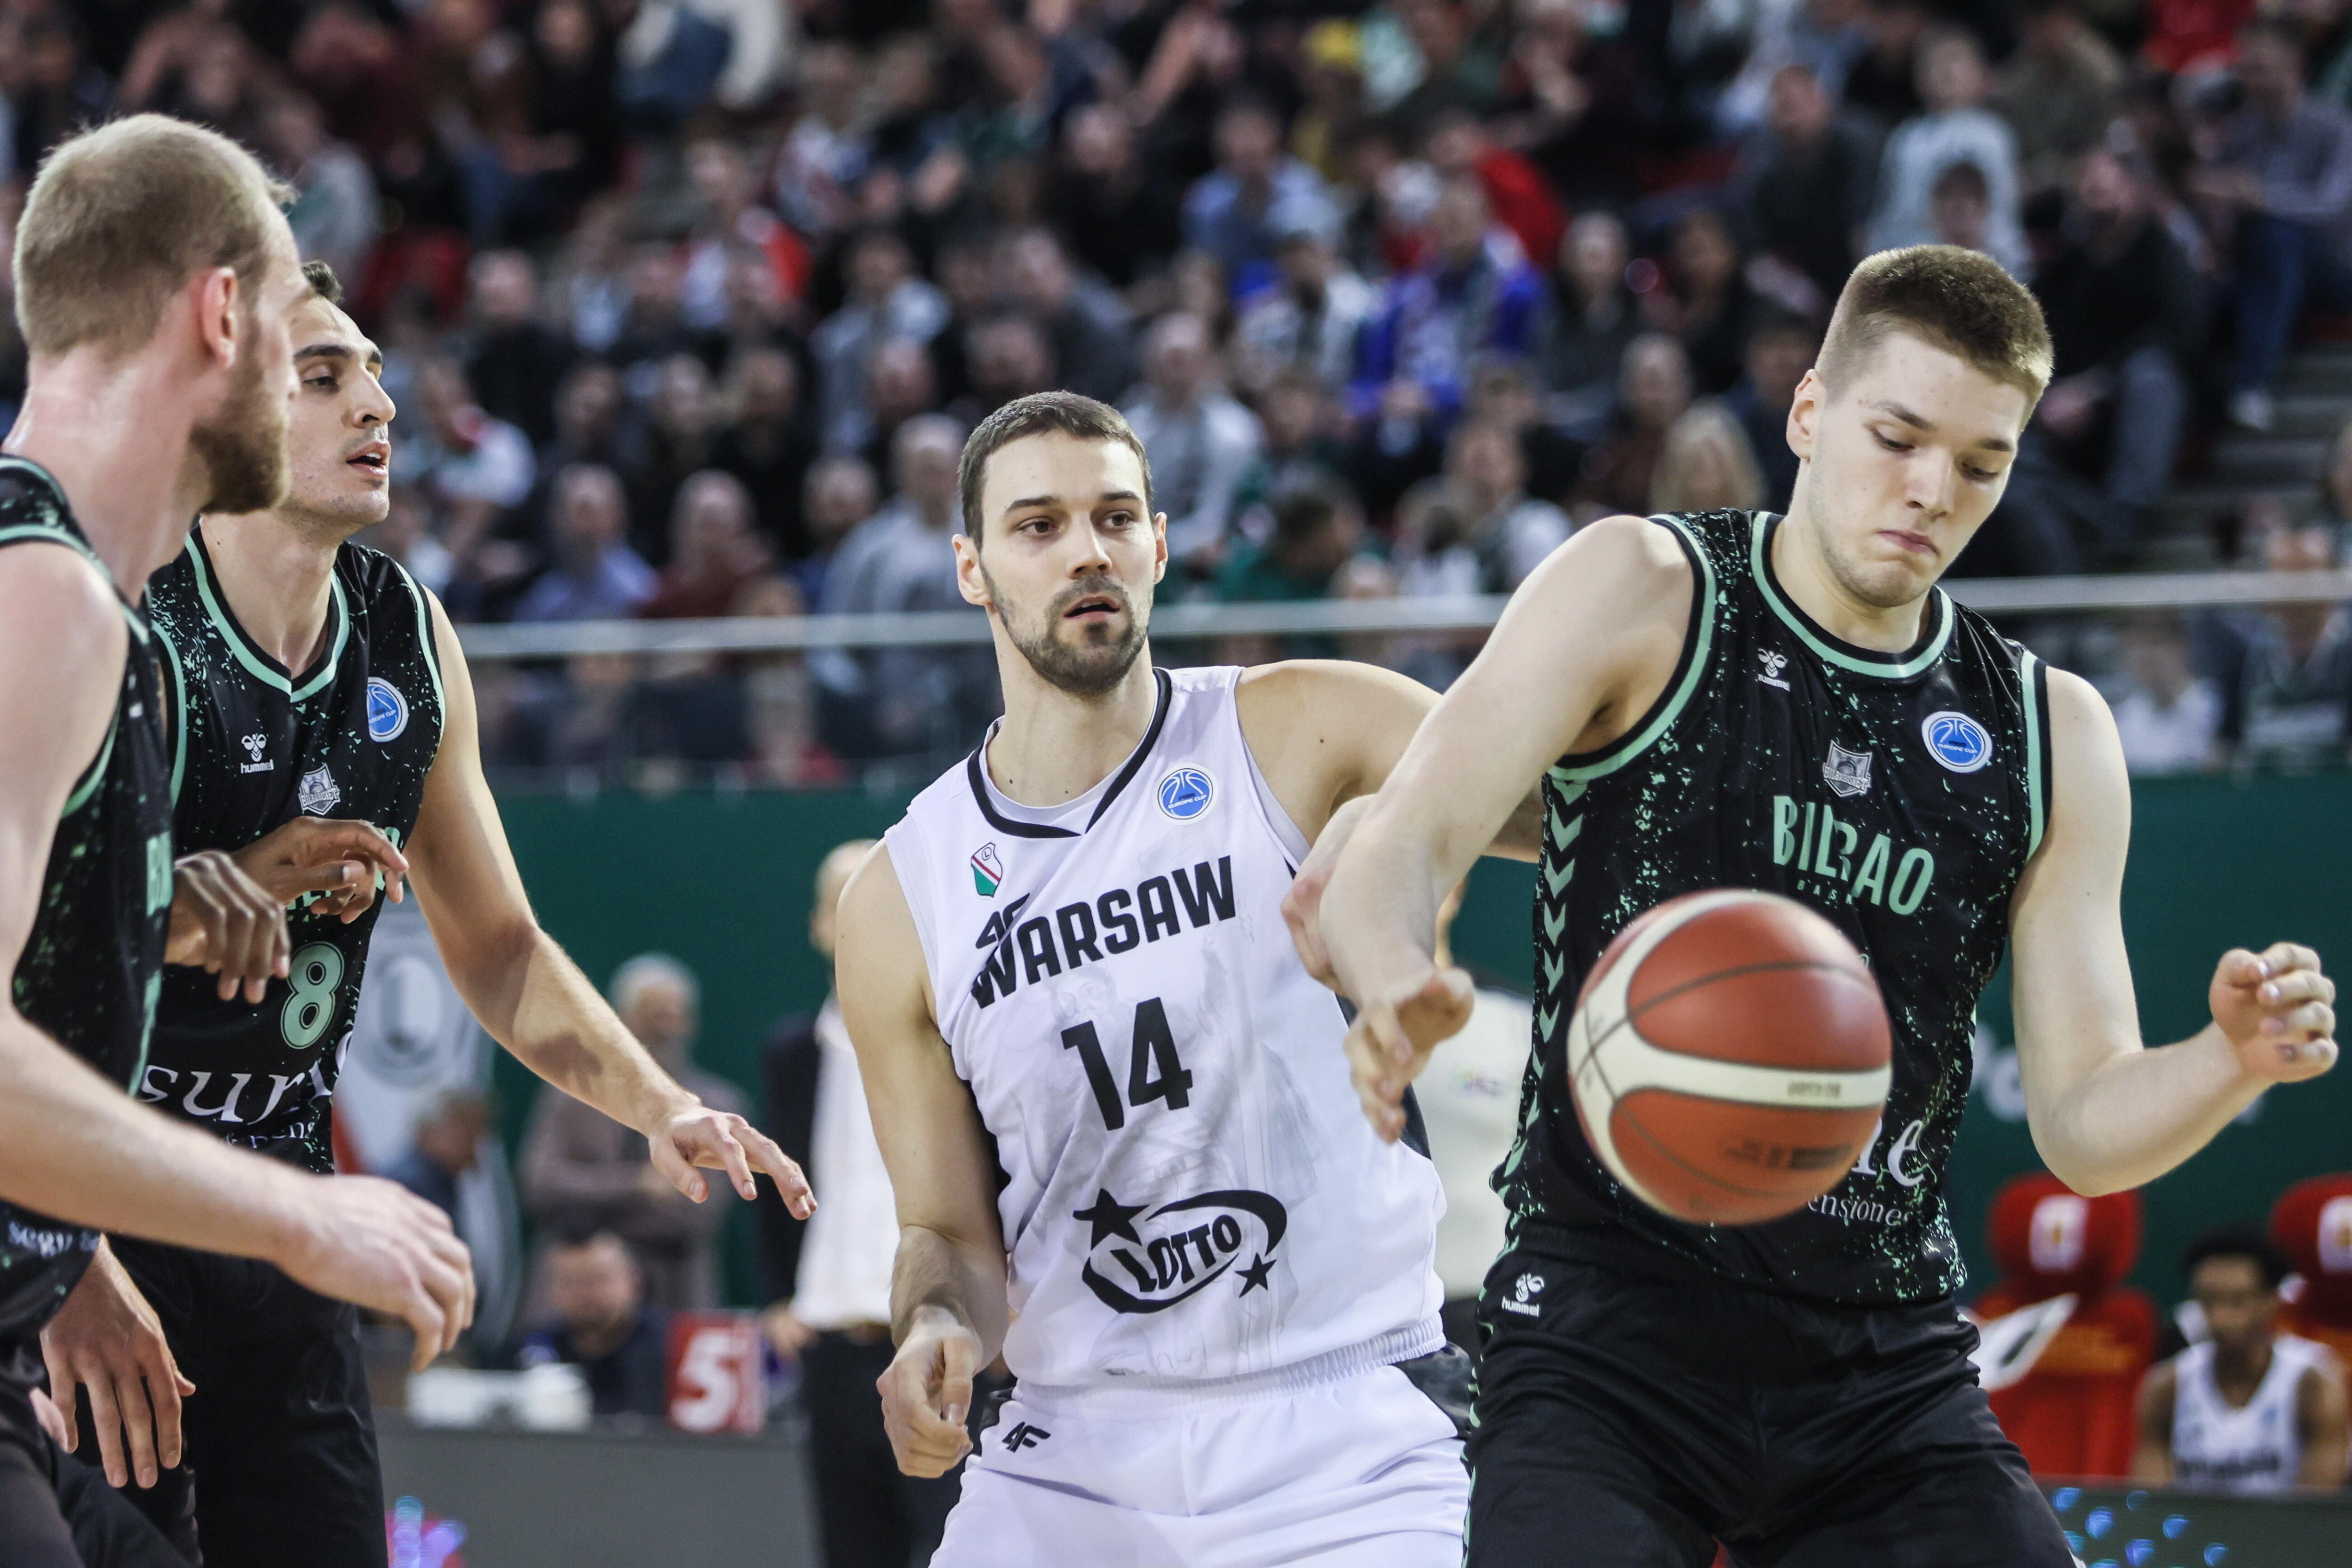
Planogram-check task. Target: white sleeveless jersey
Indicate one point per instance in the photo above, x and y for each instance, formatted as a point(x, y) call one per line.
point(1189, 1189)
point(2259, 1448)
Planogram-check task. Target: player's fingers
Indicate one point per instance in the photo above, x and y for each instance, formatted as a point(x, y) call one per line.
point(678, 1170)
point(425, 1319)
point(106, 1418)
point(790, 1181)
point(959, 1359)
point(2244, 969)
point(61, 1395)
point(138, 1428)
point(2282, 957)
point(730, 1151)
point(2294, 987)
point(2312, 1020)
point(164, 1393)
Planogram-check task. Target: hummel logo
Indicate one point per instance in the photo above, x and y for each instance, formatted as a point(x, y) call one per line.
point(1773, 663)
point(255, 744)
point(1025, 1436)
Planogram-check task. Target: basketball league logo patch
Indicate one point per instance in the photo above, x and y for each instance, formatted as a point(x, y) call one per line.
point(987, 871)
point(1186, 793)
point(1959, 741)
point(317, 792)
point(1846, 772)
point(387, 711)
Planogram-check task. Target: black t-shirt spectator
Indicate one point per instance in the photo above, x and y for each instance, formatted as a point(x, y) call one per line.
point(631, 1379)
point(2102, 311)
point(515, 372)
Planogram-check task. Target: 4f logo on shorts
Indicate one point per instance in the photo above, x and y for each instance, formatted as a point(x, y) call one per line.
point(1024, 1437)
point(1522, 1298)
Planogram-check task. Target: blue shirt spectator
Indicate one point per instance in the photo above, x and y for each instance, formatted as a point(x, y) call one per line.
point(1256, 193)
point(1473, 299)
point(594, 576)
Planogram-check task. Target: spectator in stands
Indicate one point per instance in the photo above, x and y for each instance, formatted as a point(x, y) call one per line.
point(1778, 353)
point(1806, 184)
point(2125, 311)
point(1955, 128)
point(1711, 305)
point(475, 466)
point(899, 702)
point(591, 572)
point(2281, 172)
point(1086, 322)
point(518, 362)
point(1458, 146)
point(827, 1281)
point(1005, 356)
point(1473, 297)
point(653, 327)
point(1256, 191)
point(601, 1323)
point(2058, 92)
point(900, 383)
point(1579, 106)
point(2248, 1408)
point(1295, 413)
point(1200, 441)
point(839, 493)
point(2286, 674)
point(769, 447)
point(1507, 394)
point(1509, 532)
point(2169, 717)
point(887, 302)
point(336, 217)
point(568, 148)
point(1704, 464)
point(1881, 78)
point(581, 1170)
point(1961, 207)
point(1120, 214)
point(1653, 391)
point(825, 154)
point(1316, 530)
point(445, 1143)
point(714, 551)
point(1310, 320)
point(1592, 317)
point(680, 436)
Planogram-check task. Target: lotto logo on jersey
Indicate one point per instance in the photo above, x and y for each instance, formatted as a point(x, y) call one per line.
point(1142, 1258)
point(387, 711)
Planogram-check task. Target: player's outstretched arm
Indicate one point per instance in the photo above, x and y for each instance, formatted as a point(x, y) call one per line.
point(2108, 1112)
point(79, 1148)
point(1582, 650)
point(948, 1303)
point(525, 989)
point(2152, 1413)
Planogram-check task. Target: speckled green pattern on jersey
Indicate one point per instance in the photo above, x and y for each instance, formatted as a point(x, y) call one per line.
point(88, 974)
point(1779, 758)
point(353, 736)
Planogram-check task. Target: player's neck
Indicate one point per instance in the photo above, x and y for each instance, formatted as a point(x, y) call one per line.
point(1053, 745)
point(1805, 576)
point(277, 578)
point(2244, 1368)
point(108, 432)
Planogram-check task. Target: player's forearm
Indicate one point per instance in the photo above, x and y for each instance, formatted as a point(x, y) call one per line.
point(1379, 914)
point(934, 1272)
point(2139, 1113)
point(533, 1000)
point(77, 1149)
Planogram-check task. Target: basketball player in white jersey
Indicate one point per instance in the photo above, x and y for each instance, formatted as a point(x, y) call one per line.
point(1114, 1105)
point(2248, 1409)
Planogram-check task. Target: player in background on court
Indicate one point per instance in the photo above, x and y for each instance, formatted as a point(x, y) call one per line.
point(155, 279)
point(2248, 1409)
point(1067, 963)
point(1731, 699)
point(318, 677)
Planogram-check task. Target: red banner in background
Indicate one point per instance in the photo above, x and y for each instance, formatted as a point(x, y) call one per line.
point(715, 1372)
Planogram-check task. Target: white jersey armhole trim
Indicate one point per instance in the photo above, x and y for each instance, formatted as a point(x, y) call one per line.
point(915, 887)
point(1269, 804)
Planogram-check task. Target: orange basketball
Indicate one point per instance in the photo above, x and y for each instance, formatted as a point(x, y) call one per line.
point(1729, 1056)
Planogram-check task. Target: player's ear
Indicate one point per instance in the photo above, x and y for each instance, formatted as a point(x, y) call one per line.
point(1158, 547)
point(1805, 414)
point(970, 580)
point(215, 300)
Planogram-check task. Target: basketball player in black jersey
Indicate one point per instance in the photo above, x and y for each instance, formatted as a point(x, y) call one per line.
point(1789, 704)
point(154, 276)
point(320, 679)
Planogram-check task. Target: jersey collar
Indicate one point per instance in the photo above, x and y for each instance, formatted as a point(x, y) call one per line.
point(1845, 655)
point(993, 807)
point(258, 664)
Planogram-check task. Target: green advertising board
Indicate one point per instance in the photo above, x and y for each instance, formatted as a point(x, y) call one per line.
point(722, 881)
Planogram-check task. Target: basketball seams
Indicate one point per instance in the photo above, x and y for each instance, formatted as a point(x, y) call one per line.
point(1683, 988)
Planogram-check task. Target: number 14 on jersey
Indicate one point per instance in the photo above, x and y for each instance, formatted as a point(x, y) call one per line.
point(1154, 1071)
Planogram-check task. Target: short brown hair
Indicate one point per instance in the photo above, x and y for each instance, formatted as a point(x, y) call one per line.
point(121, 215)
point(1959, 301)
point(1037, 415)
point(324, 283)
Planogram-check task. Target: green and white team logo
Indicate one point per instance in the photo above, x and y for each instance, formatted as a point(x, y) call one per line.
point(987, 871)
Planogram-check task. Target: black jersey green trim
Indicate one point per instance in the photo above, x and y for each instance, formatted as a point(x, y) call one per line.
point(95, 773)
point(2035, 674)
point(1892, 666)
point(1685, 680)
point(260, 666)
point(179, 709)
point(424, 637)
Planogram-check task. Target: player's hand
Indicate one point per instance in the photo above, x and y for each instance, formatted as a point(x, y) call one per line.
point(336, 858)
point(226, 923)
point(364, 1239)
point(106, 1338)
point(2277, 1010)
point(927, 1392)
point(722, 1141)
point(1302, 906)
point(1392, 1036)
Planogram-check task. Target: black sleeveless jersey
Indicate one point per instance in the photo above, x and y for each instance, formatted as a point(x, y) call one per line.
point(352, 736)
point(1899, 794)
point(89, 972)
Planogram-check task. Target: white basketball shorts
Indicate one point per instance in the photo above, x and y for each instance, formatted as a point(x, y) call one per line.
point(1358, 1469)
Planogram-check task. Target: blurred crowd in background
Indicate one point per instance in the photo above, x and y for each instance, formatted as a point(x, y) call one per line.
point(687, 304)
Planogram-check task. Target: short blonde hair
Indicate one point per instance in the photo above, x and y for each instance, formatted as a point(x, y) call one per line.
point(120, 216)
point(1959, 300)
point(1707, 430)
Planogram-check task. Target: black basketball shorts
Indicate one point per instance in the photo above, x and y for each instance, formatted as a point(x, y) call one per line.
point(1645, 1419)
